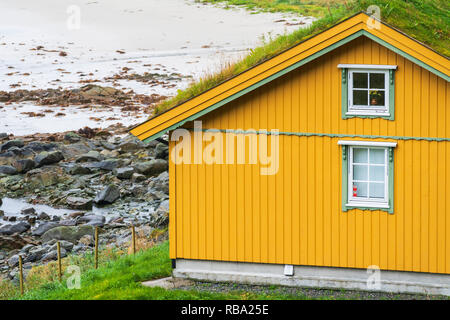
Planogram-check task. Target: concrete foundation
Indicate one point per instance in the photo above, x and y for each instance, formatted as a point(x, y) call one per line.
point(316, 277)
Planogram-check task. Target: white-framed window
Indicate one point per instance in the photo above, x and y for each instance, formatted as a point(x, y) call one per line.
point(367, 174)
point(368, 91)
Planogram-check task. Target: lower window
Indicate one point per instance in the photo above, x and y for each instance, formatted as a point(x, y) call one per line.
point(367, 175)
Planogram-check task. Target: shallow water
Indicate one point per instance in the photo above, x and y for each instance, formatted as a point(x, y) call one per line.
point(13, 207)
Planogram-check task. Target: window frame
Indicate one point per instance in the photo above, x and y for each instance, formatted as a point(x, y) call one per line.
point(368, 202)
point(351, 111)
point(348, 203)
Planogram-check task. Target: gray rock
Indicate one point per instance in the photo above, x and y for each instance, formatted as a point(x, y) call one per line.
point(79, 248)
point(152, 168)
point(161, 151)
point(77, 169)
point(72, 234)
point(161, 182)
point(68, 246)
point(137, 177)
point(44, 227)
point(11, 143)
point(13, 261)
point(7, 170)
point(53, 255)
point(79, 203)
point(89, 157)
point(108, 195)
point(24, 165)
point(43, 216)
point(72, 137)
point(10, 229)
point(35, 254)
point(27, 248)
point(93, 220)
point(45, 158)
point(123, 173)
point(68, 222)
point(132, 145)
point(28, 211)
point(3, 135)
point(109, 164)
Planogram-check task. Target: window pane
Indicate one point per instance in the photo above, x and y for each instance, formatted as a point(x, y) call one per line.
point(360, 189)
point(376, 190)
point(360, 155)
point(360, 172)
point(360, 80)
point(360, 98)
point(377, 98)
point(377, 81)
point(377, 156)
point(376, 173)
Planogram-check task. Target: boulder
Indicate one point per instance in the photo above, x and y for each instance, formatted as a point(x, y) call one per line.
point(109, 164)
point(123, 173)
point(79, 203)
point(89, 157)
point(43, 228)
point(11, 143)
point(13, 261)
point(14, 241)
point(161, 182)
point(7, 170)
point(72, 137)
point(71, 234)
point(24, 165)
point(66, 245)
point(28, 211)
point(161, 151)
point(10, 229)
point(77, 169)
point(35, 254)
point(152, 168)
point(108, 195)
point(137, 177)
point(45, 158)
point(93, 220)
point(53, 255)
point(43, 216)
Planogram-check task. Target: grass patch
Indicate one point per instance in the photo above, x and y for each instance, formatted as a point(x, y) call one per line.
point(428, 21)
point(120, 279)
point(315, 8)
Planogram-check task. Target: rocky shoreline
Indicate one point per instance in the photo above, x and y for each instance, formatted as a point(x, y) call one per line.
point(100, 177)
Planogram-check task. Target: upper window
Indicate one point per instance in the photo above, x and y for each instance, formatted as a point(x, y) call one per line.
point(367, 91)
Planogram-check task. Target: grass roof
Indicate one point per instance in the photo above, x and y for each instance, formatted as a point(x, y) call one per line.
point(428, 21)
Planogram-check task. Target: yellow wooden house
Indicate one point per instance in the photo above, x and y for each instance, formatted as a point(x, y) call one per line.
point(344, 179)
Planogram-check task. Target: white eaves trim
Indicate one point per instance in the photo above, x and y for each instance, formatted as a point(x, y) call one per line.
point(367, 143)
point(366, 66)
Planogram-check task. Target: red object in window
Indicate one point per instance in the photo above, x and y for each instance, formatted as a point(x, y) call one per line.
point(355, 193)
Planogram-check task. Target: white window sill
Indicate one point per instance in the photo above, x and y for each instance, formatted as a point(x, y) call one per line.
point(381, 205)
point(374, 114)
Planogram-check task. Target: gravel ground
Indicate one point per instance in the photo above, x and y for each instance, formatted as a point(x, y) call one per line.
point(302, 293)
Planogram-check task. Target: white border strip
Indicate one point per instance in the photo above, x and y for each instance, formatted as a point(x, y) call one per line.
point(366, 66)
point(367, 143)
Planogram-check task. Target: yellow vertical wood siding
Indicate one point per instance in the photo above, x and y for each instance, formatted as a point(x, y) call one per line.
point(231, 212)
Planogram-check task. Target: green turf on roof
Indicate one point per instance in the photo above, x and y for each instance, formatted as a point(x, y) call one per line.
point(427, 21)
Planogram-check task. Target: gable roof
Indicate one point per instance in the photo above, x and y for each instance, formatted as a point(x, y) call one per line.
point(289, 60)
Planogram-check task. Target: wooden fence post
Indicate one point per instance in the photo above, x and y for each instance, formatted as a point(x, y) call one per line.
point(133, 239)
point(21, 274)
point(58, 248)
